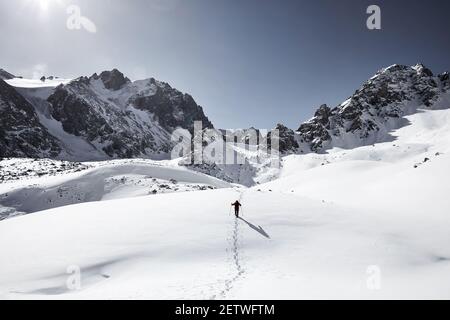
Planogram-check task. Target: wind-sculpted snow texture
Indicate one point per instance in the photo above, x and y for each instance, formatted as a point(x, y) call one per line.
point(60, 183)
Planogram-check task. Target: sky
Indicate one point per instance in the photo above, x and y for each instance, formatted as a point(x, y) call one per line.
point(246, 62)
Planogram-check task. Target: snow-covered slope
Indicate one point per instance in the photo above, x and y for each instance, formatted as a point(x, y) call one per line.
point(411, 170)
point(36, 83)
point(363, 219)
point(329, 225)
point(90, 182)
point(181, 245)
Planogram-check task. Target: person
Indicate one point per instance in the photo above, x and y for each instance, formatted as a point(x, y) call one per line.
point(236, 208)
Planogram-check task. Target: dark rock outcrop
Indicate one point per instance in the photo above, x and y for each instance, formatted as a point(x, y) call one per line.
point(132, 120)
point(21, 133)
point(444, 78)
point(287, 140)
point(5, 75)
point(113, 80)
point(171, 108)
point(315, 131)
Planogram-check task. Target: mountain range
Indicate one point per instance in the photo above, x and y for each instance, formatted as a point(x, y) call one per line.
point(358, 208)
point(107, 116)
point(98, 117)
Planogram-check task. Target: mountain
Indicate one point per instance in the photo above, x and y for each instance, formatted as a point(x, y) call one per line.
point(5, 75)
point(376, 108)
point(367, 221)
point(110, 116)
point(21, 133)
point(369, 116)
point(287, 140)
point(334, 220)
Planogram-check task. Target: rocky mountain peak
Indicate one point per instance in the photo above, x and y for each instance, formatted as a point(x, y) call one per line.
point(376, 108)
point(322, 114)
point(287, 141)
point(281, 127)
point(393, 68)
point(445, 80)
point(113, 80)
point(421, 69)
point(129, 119)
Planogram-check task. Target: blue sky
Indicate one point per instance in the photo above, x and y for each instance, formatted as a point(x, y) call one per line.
point(247, 62)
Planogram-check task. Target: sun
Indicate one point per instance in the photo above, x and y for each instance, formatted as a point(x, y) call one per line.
point(44, 5)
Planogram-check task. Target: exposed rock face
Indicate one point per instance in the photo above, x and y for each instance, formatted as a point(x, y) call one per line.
point(444, 78)
point(105, 127)
point(112, 80)
point(21, 133)
point(315, 131)
point(377, 107)
point(116, 117)
point(122, 118)
point(4, 75)
point(170, 107)
point(287, 142)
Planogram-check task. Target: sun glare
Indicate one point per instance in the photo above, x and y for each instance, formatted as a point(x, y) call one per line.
point(43, 4)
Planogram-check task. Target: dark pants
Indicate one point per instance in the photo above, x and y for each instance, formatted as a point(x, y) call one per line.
point(236, 211)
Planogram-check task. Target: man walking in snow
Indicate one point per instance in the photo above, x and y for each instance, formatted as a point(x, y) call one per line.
point(236, 208)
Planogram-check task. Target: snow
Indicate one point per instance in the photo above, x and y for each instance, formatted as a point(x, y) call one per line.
point(36, 83)
point(120, 98)
point(98, 182)
point(317, 227)
point(345, 103)
point(37, 92)
point(130, 250)
point(78, 148)
point(317, 231)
